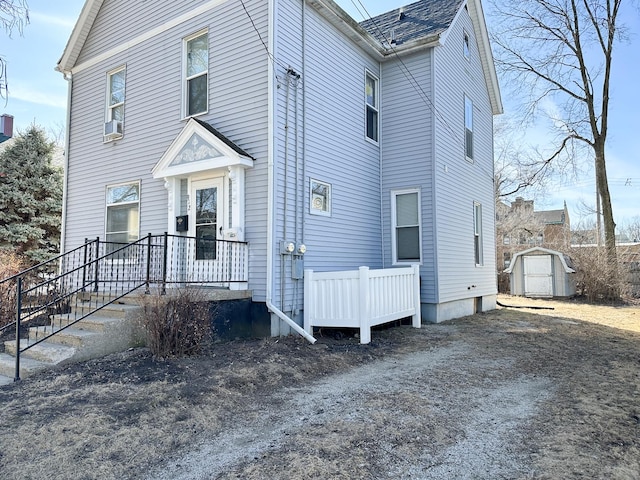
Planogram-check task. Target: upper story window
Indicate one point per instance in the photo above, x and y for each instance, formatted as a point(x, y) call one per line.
point(371, 101)
point(465, 45)
point(196, 73)
point(114, 116)
point(468, 128)
point(406, 226)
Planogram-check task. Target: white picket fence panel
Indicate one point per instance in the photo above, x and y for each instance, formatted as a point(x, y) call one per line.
point(361, 298)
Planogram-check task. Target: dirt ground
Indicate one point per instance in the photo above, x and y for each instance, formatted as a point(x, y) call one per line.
point(510, 394)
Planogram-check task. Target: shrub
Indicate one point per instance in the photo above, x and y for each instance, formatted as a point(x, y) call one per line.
point(10, 264)
point(596, 278)
point(176, 324)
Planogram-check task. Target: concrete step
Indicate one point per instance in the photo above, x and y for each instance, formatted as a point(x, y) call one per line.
point(46, 352)
point(71, 336)
point(94, 323)
point(28, 366)
point(115, 310)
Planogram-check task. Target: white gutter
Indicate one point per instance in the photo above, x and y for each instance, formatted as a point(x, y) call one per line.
point(65, 174)
point(270, 185)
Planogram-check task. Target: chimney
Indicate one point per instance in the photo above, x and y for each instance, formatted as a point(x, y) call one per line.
point(6, 127)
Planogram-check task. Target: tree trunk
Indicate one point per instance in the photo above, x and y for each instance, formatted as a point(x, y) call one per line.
point(607, 211)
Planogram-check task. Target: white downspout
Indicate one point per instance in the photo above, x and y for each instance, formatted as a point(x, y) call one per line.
point(271, 183)
point(68, 76)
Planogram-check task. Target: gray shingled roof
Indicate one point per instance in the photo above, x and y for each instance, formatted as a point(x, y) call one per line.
point(228, 142)
point(425, 18)
point(551, 216)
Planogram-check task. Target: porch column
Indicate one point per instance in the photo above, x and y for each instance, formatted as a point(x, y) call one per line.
point(237, 209)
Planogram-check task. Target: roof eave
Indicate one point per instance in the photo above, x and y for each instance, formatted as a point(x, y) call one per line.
point(347, 25)
point(488, 64)
point(79, 35)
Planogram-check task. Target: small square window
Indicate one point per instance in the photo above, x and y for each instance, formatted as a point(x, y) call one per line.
point(320, 198)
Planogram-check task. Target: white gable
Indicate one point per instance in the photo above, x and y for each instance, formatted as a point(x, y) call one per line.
point(196, 149)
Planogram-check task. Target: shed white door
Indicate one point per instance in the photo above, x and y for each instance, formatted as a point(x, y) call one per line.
point(538, 276)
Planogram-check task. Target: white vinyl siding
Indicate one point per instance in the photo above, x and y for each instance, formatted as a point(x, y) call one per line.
point(460, 183)
point(196, 74)
point(153, 110)
point(406, 226)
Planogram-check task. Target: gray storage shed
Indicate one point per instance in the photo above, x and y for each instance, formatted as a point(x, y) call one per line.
point(540, 272)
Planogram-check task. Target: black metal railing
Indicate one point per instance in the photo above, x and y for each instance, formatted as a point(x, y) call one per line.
point(59, 293)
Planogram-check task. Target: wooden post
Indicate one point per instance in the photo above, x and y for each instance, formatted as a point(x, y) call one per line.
point(364, 312)
point(417, 317)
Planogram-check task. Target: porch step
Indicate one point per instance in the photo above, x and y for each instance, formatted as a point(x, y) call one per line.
point(98, 322)
point(72, 337)
point(44, 352)
point(28, 366)
point(114, 310)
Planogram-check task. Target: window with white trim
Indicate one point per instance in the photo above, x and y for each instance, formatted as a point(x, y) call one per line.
point(406, 226)
point(477, 233)
point(320, 198)
point(468, 128)
point(196, 74)
point(123, 213)
point(115, 94)
point(371, 106)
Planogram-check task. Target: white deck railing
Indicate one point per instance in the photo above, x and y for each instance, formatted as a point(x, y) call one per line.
point(361, 298)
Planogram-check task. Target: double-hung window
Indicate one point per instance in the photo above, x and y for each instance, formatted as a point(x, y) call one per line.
point(468, 128)
point(196, 74)
point(123, 211)
point(477, 233)
point(371, 106)
point(406, 226)
point(115, 94)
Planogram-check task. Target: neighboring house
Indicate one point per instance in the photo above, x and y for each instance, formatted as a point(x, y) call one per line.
point(6, 127)
point(520, 227)
point(289, 124)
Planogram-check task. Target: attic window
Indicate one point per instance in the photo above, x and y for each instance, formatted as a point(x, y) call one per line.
point(465, 45)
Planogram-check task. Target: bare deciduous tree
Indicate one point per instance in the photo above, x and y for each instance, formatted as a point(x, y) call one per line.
point(14, 15)
point(562, 51)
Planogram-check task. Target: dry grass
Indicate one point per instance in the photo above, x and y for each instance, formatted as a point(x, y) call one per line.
point(625, 317)
point(513, 393)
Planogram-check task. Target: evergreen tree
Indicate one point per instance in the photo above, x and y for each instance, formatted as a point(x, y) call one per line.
point(30, 197)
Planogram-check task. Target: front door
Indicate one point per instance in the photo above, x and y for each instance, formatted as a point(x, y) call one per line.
point(205, 226)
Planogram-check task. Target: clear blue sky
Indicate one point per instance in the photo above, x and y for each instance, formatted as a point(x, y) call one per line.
point(38, 94)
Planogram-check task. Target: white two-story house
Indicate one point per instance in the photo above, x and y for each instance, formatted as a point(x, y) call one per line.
point(321, 142)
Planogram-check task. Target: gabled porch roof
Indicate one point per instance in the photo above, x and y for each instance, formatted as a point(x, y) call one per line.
point(200, 147)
